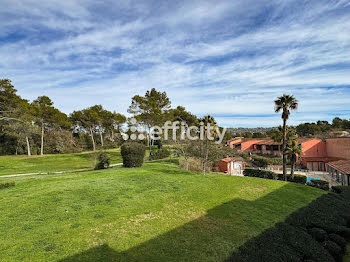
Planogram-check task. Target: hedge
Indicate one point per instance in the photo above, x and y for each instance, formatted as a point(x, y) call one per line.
point(260, 173)
point(317, 232)
point(264, 161)
point(271, 175)
point(160, 154)
point(324, 185)
point(6, 185)
point(133, 154)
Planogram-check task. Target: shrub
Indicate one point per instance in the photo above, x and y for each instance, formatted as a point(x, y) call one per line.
point(6, 185)
point(300, 179)
point(102, 161)
point(339, 240)
point(337, 189)
point(133, 154)
point(335, 250)
point(160, 154)
point(324, 185)
point(259, 173)
point(264, 161)
point(318, 234)
point(194, 165)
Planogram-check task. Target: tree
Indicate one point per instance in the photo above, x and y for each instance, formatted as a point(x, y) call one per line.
point(150, 110)
point(285, 103)
point(293, 150)
point(110, 123)
point(337, 122)
point(88, 120)
point(16, 114)
point(204, 148)
point(48, 117)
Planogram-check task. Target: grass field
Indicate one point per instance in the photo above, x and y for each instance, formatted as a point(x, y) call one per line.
point(51, 163)
point(154, 213)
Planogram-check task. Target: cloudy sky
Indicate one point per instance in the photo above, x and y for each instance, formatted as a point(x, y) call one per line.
point(230, 59)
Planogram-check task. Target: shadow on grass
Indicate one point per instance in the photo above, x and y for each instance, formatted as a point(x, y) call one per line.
point(212, 237)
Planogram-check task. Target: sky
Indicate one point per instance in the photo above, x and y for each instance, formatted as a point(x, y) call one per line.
point(229, 59)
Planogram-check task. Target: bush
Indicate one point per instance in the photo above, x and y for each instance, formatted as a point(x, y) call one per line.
point(102, 161)
point(6, 185)
point(318, 234)
point(339, 240)
point(300, 179)
point(264, 161)
point(194, 165)
point(259, 173)
point(337, 189)
point(160, 154)
point(133, 154)
point(335, 250)
point(324, 185)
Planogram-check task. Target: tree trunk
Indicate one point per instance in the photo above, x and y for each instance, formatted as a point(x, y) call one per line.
point(93, 140)
point(186, 163)
point(149, 141)
point(284, 145)
point(28, 147)
point(292, 168)
point(42, 139)
point(101, 139)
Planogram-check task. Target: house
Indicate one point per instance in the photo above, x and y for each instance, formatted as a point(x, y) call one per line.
point(340, 171)
point(255, 145)
point(316, 153)
point(330, 150)
point(311, 147)
point(231, 165)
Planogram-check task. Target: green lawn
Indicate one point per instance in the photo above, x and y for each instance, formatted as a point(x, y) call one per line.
point(51, 163)
point(154, 213)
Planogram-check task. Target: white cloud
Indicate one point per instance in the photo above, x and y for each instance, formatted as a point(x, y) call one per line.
point(223, 58)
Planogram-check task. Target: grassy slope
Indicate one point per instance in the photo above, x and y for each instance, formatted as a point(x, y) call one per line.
point(154, 213)
point(50, 163)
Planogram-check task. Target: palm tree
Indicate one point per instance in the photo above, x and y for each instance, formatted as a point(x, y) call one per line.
point(293, 150)
point(285, 103)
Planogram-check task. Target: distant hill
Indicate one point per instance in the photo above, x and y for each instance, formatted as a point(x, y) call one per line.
point(238, 130)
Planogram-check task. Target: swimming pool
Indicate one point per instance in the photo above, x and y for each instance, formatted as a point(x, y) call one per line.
point(311, 178)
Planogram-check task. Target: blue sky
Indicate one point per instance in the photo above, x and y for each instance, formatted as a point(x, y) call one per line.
point(230, 59)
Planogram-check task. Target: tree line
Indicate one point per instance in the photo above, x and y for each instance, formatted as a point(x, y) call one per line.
point(37, 127)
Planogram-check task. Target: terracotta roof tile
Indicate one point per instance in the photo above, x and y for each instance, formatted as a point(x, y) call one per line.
point(342, 166)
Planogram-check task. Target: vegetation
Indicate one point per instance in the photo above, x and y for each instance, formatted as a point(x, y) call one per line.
point(39, 127)
point(285, 103)
point(317, 232)
point(52, 163)
point(7, 185)
point(264, 161)
point(154, 213)
point(133, 154)
point(160, 154)
point(102, 161)
point(324, 185)
point(271, 175)
point(150, 110)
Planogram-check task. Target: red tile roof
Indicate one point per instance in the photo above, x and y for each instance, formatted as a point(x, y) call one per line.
point(263, 141)
point(319, 159)
point(343, 166)
point(229, 159)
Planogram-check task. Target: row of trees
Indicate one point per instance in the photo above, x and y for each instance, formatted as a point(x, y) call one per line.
point(319, 129)
point(40, 127)
point(28, 126)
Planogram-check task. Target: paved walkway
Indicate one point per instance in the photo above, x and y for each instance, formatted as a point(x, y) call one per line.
point(56, 172)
